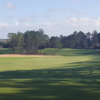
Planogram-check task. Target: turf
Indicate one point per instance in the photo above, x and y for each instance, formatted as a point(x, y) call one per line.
point(75, 76)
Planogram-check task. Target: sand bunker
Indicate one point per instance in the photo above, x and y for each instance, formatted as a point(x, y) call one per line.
point(21, 55)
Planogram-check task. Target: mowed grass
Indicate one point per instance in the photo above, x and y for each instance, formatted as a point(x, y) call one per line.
point(74, 76)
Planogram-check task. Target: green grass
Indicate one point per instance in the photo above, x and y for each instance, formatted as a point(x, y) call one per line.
point(71, 52)
point(4, 51)
point(74, 76)
point(47, 89)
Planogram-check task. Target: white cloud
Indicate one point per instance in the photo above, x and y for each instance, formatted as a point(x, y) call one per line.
point(65, 21)
point(49, 23)
point(10, 6)
point(3, 24)
point(16, 23)
point(64, 27)
point(68, 26)
point(78, 21)
point(26, 24)
point(84, 19)
point(73, 19)
point(97, 21)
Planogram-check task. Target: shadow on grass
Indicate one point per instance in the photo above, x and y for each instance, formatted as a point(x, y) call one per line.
point(88, 52)
point(73, 52)
point(79, 70)
point(52, 90)
point(79, 52)
point(73, 81)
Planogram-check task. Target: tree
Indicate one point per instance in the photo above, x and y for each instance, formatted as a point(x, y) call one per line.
point(35, 40)
point(55, 42)
point(95, 38)
point(13, 41)
point(31, 42)
point(20, 38)
point(59, 45)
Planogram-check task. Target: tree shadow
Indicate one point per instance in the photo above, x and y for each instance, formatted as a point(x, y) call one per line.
point(88, 52)
point(53, 90)
point(79, 52)
point(79, 70)
point(73, 81)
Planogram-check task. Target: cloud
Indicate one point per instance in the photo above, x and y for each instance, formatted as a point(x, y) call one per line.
point(74, 21)
point(68, 26)
point(26, 24)
point(27, 20)
point(2, 24)
point(10, 6)
point(49, 23)
point(64, 26)
point(16, 23)
point(97, 21)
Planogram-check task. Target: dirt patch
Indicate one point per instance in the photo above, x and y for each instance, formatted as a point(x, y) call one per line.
point(21, 55)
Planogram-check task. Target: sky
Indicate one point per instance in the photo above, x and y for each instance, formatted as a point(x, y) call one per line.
point(55, 17)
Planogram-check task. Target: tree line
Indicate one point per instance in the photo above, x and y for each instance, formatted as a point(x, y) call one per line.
point(80, 40)
point(31, 42)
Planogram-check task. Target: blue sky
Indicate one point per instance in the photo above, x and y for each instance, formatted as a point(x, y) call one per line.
point(55, 17)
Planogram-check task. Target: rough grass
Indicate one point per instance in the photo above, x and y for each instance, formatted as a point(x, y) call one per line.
point(4, 51)
point(71, 52)
point(76, 76)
